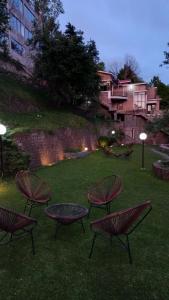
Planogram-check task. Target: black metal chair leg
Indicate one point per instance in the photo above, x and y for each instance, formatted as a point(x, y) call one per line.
point(33, 245)
point(89, 211)
point(81, 221)
point(128, 250)
point(30, 210)
point(93, 242)
point(25, 207)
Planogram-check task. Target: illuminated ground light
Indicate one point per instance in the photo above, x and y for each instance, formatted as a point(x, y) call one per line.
point(3, 188)
point(86, 149)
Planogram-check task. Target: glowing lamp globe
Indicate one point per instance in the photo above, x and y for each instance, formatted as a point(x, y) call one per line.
point(143, 136)
point(2, 129)
point(113, 132)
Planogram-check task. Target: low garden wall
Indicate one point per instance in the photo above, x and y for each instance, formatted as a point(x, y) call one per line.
point(161, 171)
point(47, 148)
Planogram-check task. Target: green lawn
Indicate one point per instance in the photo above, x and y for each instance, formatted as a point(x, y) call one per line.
point(61, 268)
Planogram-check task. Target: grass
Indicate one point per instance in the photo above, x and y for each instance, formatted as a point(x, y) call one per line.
point(46, 121)
point(61, 268)
point(13, 88)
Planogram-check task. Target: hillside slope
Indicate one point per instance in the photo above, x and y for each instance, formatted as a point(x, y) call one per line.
point(24, 108)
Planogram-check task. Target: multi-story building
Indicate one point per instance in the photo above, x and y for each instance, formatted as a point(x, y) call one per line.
point(131, 105)
point(22, 15)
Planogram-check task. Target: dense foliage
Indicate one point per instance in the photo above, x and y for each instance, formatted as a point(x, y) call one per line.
point(129, 70)
point(162, 90)
point(68, 65)
point(4, 18)
point(13, 158)
point(158, 124)
point(63, 61)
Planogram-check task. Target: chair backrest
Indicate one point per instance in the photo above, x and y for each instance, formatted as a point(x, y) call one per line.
point(7, 219)
point(106, 190)
point(31, 186)
point(124, 221)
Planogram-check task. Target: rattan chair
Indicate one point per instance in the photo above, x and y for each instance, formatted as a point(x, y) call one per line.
point(119, 224)
point(101, 194)
point(34, 190)
point(14, 225)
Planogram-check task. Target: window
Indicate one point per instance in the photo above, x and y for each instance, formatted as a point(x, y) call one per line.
point(18, 4)
point(17, 47)
point(28, 34)
point(140, 100)
point(28, 14)
point(17, 26)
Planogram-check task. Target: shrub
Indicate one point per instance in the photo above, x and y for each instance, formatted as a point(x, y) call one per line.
point(13, 158)
point(103, 141)
point(119, 151)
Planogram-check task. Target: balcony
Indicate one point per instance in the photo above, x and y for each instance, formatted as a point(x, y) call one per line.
point(119, 94)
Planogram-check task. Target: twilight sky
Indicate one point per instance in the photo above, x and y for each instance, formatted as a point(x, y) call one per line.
point(120, 27)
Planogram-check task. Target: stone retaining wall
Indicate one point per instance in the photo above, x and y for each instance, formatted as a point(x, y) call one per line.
point(48, 148)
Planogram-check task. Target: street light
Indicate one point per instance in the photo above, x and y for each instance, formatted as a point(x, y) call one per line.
point(113, 132)
point(2, 132)
point(142, 137)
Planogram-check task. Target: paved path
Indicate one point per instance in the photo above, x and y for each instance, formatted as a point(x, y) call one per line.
point(164, 155)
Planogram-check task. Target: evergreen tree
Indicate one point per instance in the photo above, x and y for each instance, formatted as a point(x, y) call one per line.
point(162, 90)
point(67, 64)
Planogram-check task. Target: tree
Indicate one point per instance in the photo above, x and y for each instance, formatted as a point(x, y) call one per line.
point(166, 57)
point(67, 64)
point(159, 124)
point(162, 90)
point(4, 19)
point(130, 70)
point(115, 68)
point(101, 66)
point(127, 71)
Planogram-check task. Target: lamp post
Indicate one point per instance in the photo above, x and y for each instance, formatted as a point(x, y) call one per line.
point(143, 137)
point(2, 132)
point(113, 132)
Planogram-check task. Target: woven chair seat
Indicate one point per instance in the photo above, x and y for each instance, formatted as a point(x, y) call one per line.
point(121, 223)
point(33, 188)
point(12, 222)
point(105, 191)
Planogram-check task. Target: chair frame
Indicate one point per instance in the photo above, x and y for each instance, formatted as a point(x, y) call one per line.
point(107, 204)
point(124, 244)
point(10, 235)
point(31, 203)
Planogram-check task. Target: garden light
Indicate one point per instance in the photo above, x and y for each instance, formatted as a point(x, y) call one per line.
point(142, 137)
point(2, 129)
point(2, 132)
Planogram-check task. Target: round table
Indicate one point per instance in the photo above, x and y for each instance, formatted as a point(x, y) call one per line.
point(67, 213)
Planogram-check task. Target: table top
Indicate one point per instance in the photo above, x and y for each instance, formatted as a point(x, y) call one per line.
point(66, 212)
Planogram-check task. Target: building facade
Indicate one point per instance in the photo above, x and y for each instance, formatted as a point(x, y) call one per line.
point(22, 15)
point(131, 105)
point(125, 97)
